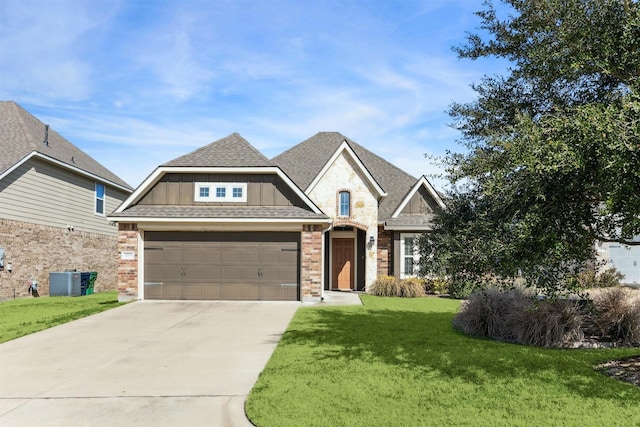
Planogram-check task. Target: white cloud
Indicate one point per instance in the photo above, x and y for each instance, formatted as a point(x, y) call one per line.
point(155, 80)
point(43, 44)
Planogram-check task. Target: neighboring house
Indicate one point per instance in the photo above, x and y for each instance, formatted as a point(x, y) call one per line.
point(54, 199)
point(225, 222)
point(624, 258)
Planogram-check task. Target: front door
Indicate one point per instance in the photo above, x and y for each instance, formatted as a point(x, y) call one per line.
point(343, 264)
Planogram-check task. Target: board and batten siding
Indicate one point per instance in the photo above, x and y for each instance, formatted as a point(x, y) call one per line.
point(42, 193)
point(262, 190)
point(421, 203)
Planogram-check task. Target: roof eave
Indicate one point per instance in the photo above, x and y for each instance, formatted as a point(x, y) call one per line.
point(37, 154)
point(422, 181)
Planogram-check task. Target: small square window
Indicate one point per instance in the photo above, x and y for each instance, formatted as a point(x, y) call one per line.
point(220, 192)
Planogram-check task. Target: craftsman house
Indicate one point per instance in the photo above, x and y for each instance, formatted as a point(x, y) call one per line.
point(225, 222)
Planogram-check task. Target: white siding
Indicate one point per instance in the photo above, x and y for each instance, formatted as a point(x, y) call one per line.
point(42, 193)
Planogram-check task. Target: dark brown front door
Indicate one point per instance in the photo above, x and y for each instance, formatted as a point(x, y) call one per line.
point(343, 265)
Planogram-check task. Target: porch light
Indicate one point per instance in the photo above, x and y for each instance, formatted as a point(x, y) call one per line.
point(372, 240)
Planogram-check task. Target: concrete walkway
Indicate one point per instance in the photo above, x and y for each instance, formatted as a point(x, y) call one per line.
point(340, 298)
point(143, 364)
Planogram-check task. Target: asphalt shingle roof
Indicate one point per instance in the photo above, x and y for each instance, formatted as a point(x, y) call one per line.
point(21, 133)
point(231, 151)
point(304, 161)
point(259, 212)
point(417, 221)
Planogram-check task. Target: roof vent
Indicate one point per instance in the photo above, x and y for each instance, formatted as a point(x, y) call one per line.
point(46, 135)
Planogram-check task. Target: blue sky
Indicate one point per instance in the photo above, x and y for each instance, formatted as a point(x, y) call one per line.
point(138, 83)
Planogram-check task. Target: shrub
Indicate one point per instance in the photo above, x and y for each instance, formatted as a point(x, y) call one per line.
point(616, 316)
point(389, 286)
point(437, 286)
point(462, 287)
point(515, 315)
point(486, 313)
point(412, 287)
point(550, 323)
point(588, 279)
point(385, 286)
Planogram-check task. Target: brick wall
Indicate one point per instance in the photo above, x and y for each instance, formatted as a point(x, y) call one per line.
point(36, 250)
point(385, 253)
point(128, 268)
point(311, 263)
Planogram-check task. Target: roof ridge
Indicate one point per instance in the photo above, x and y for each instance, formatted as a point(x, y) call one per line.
point(230, 151)
point(383, 159)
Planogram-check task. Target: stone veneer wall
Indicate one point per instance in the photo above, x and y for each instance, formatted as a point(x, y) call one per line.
point(311, 263)
point(345, 175)
point(35, 250)
point(385, 252)
point(128, 269)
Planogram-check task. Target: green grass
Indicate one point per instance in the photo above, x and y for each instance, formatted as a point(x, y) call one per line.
point(28, 315)
point(398, 362)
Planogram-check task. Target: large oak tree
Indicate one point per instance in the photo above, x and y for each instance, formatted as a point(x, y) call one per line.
point(552, 158)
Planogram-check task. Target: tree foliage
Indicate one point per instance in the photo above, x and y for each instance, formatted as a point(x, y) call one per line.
point(552, 160)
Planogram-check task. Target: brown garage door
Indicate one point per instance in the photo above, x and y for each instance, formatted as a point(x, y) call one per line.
point(221, 266)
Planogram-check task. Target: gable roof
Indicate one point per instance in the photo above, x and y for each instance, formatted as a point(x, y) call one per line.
point(22, 136)
point(304, 162)
point(231, 154)
point(230, 151)
point(422, 182)
point(345, 148)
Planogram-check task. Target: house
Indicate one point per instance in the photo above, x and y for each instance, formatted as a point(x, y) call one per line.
point(225, 222)
point(54, 199)
point(624, 258)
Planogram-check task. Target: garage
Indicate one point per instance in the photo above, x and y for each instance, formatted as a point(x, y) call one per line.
point(257, 266)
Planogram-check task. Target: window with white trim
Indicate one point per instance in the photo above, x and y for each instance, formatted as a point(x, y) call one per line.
point(233, 192)
point(100, 196)
point(409, 255)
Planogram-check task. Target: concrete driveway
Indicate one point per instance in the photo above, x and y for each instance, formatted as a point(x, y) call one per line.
point(143, 364)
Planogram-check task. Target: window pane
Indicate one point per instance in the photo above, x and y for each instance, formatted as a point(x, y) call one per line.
point(100, 198)
point(408, 246)
point(237, 192)
point(408, 266)
point(99, 206)
point(344, 203)
point(204, 191)
point(221, 192)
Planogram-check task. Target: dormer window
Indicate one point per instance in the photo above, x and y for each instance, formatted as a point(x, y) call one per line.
point(228, 192)
point(344, 203)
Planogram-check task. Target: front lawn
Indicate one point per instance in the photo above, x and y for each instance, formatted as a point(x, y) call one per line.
point(28, 315)
point(398, 362)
